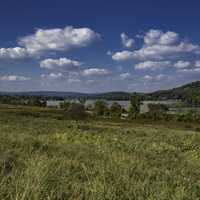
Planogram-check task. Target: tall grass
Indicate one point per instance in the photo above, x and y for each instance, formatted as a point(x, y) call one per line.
point(43, 157)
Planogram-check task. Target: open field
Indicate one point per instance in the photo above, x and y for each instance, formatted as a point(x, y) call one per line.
point(43, 156)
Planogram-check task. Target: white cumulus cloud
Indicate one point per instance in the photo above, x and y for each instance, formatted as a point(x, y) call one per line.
point(52, 76)
point(156, 52)
point(197, 63)
point(14, 78)
point(159, 37)
point(126, 41)
point(191, 70)
point(123, 56)
point(95, 72)
point(61, 63)
point(58, 39)
point(125, 75)
point(158, 77)
point(14, 53)
point(182, 64)
point(158, 45)
point(152, 65)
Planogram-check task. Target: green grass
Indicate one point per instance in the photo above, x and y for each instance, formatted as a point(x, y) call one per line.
point(45, 157)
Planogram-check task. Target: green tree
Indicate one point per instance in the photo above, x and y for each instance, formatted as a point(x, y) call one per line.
point(115, 110)
point(82, 100)
point(134, 107)
point(65, 105)
point(76, 111)
point(158, 108)
point(157, 111)
point(100, 108)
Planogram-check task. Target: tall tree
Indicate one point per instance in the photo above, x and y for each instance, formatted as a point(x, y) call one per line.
point(134, 108)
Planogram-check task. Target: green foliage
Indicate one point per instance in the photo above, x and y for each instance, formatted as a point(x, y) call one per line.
point(115, 110)
point(189, 93)
point(76, 111)
point(158, 108)
point(100, 108)
point(157, 111)
point(45, 158)
point(23, 100)
point(36, 102)
point(65, 105)
point(134, 107)
point(82, 100)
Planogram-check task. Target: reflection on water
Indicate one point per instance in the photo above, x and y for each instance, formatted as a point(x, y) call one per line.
point(124, 104)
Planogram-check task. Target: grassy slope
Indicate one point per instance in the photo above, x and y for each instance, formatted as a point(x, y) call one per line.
point(42, 157)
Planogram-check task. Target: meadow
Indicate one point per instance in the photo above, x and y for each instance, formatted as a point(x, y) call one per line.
point(45, 156)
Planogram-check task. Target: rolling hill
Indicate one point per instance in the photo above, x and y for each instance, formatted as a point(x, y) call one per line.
point(182, 92)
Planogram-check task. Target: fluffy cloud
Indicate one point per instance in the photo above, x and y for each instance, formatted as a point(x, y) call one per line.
point(159, 52)
point(197, 63)
point(52, 76)
point(124, 76)
point(123, 56)
point(159, 37)
point(58, 39)
point(158, 46)
point(182, 64)
point(156, 52)
point(73, 80)
point(154, 78)
point(153, 65)
point(95, 72)
point(126, 41)
point(61, 63)
point(50, 40)
point(14, 78)
point(148, 77)
point(14, 53)
point(188, 67)
point(191, 70)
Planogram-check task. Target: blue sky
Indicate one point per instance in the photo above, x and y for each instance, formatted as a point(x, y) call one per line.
point(98, 46)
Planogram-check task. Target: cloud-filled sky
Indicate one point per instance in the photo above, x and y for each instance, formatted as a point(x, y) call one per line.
point(98, 45)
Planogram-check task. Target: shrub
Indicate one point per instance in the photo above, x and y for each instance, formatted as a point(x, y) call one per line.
point(76, 111)
point(100, 108)
point(65, 105)
point(115, 110)
point(134, 107)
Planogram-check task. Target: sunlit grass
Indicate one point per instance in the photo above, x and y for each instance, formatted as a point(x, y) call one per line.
point(43, 157)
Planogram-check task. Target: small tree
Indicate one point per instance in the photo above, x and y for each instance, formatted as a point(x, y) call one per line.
point(100, 108)
point(157, 110)
point(76, 111)
point(65, 105)
point(134, 108)
point(115, 110)
point(82, 100)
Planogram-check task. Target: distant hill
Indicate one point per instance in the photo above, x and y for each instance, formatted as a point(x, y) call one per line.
point(182, 92)
point(49, 94)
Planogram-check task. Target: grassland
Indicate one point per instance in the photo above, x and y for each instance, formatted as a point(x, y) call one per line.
point(43, 156)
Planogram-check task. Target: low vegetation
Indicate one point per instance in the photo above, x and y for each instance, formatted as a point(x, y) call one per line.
point(43, 155)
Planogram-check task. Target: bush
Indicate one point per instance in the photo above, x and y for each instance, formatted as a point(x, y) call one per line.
point(100, 108)
point(76, 111)
point(115, 110)
point(158, 108)
point(65, 105)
